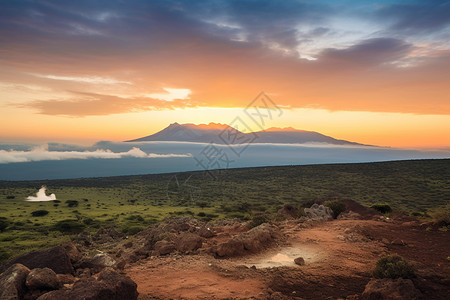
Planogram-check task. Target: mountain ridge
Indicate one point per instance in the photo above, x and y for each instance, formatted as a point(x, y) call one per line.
point(224, 134)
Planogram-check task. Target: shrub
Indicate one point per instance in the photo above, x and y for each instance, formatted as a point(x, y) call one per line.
point(258, 219)
point(68, 226)
point(72, 203)
point(393, 266)
point(4, 254)
point(382, 208)
point(442, 216)
point(39, 213)
point(4, 223)
point(336, 206)
point(132, 230)
point(10, 197)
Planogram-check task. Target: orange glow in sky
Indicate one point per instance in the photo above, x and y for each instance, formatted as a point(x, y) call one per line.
point(374, 74)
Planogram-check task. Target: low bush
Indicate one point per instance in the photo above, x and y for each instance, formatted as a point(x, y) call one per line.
point(39, 213)
point(258, 219)
point(72, 203)
point(336, 206)
point(4, 223)
point(382, 208)
point(68, 226)
point(393, 266)
point(442, 216)
point(132, 230)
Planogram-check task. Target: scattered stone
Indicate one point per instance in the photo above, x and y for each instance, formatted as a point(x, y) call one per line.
point(391, 289)
point(319, 212)
point(12, 282)
point(109, 285)
point(398, 242)
point(55, 258)
point(42, 279)
point(299, 261)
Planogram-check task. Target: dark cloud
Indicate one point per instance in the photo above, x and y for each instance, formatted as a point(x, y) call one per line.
point(369, 52)
point(419, 17)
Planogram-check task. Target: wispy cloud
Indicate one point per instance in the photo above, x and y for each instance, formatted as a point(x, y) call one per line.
point(171, 94)
point(42, 153)
point(85, 79)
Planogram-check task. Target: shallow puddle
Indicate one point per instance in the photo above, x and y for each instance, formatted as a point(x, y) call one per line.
point(282, 257)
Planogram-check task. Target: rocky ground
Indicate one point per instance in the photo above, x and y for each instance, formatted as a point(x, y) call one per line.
point(308, 258)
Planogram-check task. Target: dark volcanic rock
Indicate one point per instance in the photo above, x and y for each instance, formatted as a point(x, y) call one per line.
point(42, 279)
point(12, 282)
point(110, 285)
point(299, 261)
point(391, 289)
point(55, 258)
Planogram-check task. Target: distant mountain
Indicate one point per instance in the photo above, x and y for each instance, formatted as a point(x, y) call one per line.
point(212, 132)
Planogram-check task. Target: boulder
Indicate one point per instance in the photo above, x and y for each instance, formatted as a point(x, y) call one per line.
point(253, 240)
point(55, 258)
point(109, 285)
point(96, 263)
point(319, 213)
point(164, 247)
point(299, 261)
point(42, 279)
point(391, 289)
point(12, 282)
point(72, 251)
point(187, 241)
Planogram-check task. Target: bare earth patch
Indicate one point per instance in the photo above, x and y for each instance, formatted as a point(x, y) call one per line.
point(339, 256)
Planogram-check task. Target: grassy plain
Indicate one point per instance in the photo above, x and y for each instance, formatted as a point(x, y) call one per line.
point(130, 203)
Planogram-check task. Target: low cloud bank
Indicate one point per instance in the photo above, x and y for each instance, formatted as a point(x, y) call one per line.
point(41, 196)
point(43, 153)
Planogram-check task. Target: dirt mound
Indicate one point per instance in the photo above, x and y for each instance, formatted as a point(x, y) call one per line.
point(254, 240)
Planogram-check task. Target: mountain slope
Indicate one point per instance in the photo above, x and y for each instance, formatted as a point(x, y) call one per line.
point(213, 132)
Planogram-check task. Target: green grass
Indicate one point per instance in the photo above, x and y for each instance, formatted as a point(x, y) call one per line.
point(132, 202)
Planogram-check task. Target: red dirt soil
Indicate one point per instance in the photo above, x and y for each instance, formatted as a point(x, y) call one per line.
point(339, 257)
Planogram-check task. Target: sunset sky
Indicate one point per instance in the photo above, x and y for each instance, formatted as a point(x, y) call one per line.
point(374, 72)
